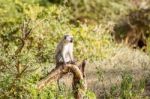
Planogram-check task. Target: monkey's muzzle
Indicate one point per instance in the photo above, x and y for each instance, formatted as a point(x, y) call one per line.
point(71, 40)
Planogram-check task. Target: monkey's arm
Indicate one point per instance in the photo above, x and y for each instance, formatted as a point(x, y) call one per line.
point(63, 56)
point(71, 54)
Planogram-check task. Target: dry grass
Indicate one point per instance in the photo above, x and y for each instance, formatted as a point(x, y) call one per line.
point(122, 59)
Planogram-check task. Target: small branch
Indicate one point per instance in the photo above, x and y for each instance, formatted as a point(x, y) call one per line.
point(21, 46)
point(25, 33)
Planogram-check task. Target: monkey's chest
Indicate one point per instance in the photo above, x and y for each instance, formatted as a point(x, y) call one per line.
point(65, 54)
point(67, 49)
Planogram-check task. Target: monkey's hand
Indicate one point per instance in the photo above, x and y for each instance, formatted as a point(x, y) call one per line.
point(73, 62)
point(64, 64)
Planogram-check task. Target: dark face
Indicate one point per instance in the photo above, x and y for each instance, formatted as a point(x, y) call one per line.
point(68, 38)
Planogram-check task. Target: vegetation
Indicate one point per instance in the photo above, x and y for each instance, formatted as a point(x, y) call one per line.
point(30, 30)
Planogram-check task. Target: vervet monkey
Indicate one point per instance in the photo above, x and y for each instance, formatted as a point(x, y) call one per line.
point(64, 51)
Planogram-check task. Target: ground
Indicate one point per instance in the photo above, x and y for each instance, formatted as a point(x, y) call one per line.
point(102, 75)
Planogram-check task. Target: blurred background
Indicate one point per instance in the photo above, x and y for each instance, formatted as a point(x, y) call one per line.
point(113, 35)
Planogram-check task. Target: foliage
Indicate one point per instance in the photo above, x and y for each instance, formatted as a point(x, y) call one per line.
point(128, 89)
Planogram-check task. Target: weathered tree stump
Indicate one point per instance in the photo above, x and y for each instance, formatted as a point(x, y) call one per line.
point(79, 83)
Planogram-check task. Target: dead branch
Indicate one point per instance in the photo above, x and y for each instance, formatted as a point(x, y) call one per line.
point(25, 33)
point(25, 30)
point(79, 82)
point(55, 74)
point(79, 85)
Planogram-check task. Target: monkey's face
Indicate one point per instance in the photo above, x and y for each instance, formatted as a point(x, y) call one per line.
point(68, 38)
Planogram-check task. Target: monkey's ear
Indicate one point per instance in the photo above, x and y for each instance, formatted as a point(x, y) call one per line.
point(65, 36)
